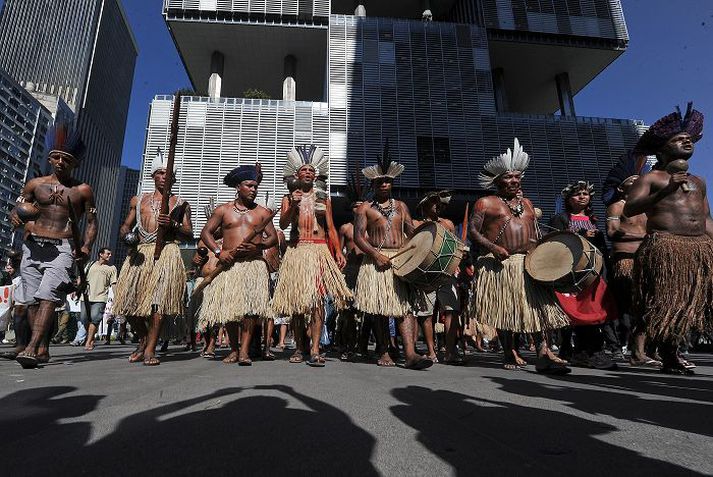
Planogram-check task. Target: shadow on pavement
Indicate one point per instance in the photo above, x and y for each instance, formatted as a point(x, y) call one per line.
point(254, 435)
point(483, 437)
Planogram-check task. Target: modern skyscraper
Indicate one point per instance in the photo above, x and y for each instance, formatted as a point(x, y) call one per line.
point(127, 185)
point(82, 51)
point(448, 83)
point(24, 126)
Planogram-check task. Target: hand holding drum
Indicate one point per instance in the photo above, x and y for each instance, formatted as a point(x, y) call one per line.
point(679, 165)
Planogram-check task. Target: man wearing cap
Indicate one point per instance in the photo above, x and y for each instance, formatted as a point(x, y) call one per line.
point(48, 252)
point(148, 290)
point(430, 208)
point(240, 294)
point(380, 229)
point(673, 268)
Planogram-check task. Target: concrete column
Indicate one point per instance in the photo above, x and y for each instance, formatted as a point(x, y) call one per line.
point(359, 9)
point(501, 97)
point(564, 94)
point(217, 63)
point(289, 85)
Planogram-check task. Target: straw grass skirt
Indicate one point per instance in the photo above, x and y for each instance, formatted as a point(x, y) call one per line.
point(673, 277)
point(242, 290)
point(506, 298)
point(381, 292)
point(144, 284)
point(308, 274)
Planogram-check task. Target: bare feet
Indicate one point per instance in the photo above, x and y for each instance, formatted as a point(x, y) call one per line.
point(232, 358)
point(518, 359)
point(244, 361)
point(151, 360)
point(386, 361)
point(137, 355)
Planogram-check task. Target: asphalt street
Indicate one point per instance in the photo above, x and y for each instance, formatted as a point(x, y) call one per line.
point(96, 414)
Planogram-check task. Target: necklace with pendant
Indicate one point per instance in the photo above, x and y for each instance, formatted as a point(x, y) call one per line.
point(517, 210)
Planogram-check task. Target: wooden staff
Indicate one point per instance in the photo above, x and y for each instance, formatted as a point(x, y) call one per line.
point(220, 267)
point(163, 230)
point(464, 232)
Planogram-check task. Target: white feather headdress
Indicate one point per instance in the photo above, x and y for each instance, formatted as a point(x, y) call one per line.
point(515, 160)
point(384, 166)
point(160, 162)
point(306, 155)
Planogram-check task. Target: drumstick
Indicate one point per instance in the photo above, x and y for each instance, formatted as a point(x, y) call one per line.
point(464, 232)
point(410, 247)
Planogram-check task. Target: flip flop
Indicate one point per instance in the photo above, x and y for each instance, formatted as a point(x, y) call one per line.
point(511, 367)
point(207, 355)
point(268, 356)
point(151, 361)
point(136, 357)
point(385, 364)
point(296, 358)
point(245, 362)
point(646, 363)
point(544, 365)
point(27, 362)
point(422, 363)
point(315, 361)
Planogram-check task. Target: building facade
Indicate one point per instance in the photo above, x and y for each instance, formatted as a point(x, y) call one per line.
point(83, 52)
point(449, 85)
point(24, 126)
point(127, 184)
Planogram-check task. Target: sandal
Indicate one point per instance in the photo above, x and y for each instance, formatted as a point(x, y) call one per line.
point(268, 356)
point(545, 365)
point(385, 363)
point(420, 364)
point(296, 358)
point(151, 361)
point(245, 362)
point(207, 355)
point(27, 362)
point(645, 363)
point(315, 361)
point(511, 367)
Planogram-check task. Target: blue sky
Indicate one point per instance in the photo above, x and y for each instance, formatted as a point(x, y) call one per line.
point(667, 63)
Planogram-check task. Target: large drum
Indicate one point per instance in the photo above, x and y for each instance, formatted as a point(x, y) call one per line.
point(430, 259)
point(566, 261)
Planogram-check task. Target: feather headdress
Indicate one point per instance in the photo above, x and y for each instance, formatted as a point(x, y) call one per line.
point(572, 189)
point(513, 160)
point(670, 125)
point(209, 208)
point(306, 155)
point(160, 162)
point(384, 166)
point(630, 164)
point(67, 142)
point(444, 197)
point(356, 189)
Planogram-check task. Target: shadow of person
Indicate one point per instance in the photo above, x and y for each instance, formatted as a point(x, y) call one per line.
point(685, 416)
point(31, 419)
point(484, 437)
point(220, 435)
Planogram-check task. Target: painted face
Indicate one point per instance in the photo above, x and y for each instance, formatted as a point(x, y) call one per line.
point(579, 199)
point(679, 146)
point(62, 162)
point(510, 182)
point(383, 185)
point(306, 174)
point(247, 190)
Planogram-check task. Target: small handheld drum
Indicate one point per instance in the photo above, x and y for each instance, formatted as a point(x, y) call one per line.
point(566, 261)
point(430, 259)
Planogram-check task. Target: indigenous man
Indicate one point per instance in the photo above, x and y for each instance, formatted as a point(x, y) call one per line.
point(308, 272)
point(626, 234)
point(380, 227)
point(48, 255)
point(347, 320)
point(674, 265)
point(149, 290)
point(503, 227)
point(430, 208)
point(240, 294)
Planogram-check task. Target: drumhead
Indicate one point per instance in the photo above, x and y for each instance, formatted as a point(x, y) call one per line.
point(420, 246)
point(555, 257)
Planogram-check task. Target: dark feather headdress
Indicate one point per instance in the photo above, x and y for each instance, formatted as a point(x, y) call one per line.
point(68, 142)
point(572, 189)
point(670, 125)
point(384, 167)
point(630, 164)
point(356, 189)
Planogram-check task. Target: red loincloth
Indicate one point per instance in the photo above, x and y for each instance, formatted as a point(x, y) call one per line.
point(591, 306)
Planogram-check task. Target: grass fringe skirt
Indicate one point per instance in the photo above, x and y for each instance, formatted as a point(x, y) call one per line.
point(673, 277)
point(144, 284)
point(381, 292)
point(506, 298)
point(307, 274)
point(242, 290)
